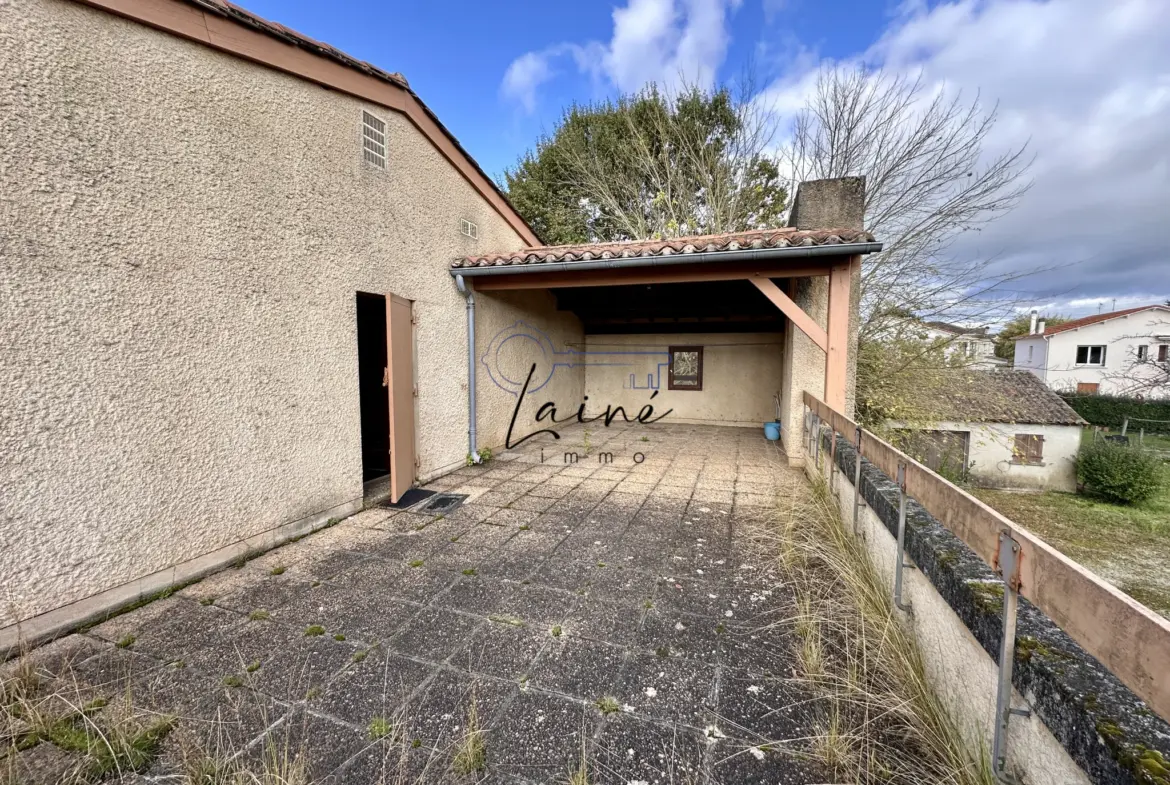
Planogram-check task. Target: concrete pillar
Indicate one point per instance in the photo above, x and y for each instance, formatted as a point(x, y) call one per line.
point(819, 204)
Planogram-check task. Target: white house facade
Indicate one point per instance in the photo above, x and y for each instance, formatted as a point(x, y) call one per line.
point(1119, 353)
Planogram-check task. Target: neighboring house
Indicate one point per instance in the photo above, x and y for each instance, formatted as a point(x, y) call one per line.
point(1000, 429)
point(971, 345)
point(1119, 353)
point(242, 272)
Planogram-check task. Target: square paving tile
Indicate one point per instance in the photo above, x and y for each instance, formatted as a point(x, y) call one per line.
point(380, 685)
point(434, 634)
point(537, 737)
point(502, 650)
point(668, 688)
point(578, 667)
point(632, 750)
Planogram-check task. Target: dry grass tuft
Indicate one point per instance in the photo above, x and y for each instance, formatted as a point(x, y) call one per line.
point(471, 748)
point(879, 721)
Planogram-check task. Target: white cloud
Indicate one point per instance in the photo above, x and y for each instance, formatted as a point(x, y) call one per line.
point(1086, 85)
point(663, 41)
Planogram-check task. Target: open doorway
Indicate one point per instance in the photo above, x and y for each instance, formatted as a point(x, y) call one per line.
point(374, 391)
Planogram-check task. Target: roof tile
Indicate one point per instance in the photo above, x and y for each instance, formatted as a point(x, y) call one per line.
point(707, 243)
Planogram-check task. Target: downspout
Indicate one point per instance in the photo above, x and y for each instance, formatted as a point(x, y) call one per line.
point(469, 295)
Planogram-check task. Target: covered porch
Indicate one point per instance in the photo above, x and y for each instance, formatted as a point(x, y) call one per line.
point(724, 329)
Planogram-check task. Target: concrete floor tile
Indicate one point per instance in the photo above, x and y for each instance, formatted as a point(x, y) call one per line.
point(578, 667)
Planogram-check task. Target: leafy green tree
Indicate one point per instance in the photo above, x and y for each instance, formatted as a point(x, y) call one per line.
point(1005, 347)
point(651, 165)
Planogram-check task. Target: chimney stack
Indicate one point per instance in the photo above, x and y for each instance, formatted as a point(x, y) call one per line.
point(1040, 328)
point(838, 203)
point(1032, 328)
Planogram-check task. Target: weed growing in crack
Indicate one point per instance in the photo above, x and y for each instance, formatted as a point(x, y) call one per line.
point(312, 693)
point(380, 728)
point(125, 642)
point(337, 636)
point(556, 631)
point(259, 615)
point(205, 601)
point(469, 571)
point(253, 666)
point(505, 618)
point(416, 563)
point(313, 630)
point(471, 749)
point(608, 705)
point(277, 571)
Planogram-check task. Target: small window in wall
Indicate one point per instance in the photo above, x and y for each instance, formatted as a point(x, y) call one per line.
point(1030, 348)
point(1088, 388)
point(1163, 351)
point(468, 228)
point(686, 368)
point(1090, 355)
point(373, 140)
point(1028, 449)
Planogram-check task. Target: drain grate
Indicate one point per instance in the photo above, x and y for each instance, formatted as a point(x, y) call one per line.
point(442, 503)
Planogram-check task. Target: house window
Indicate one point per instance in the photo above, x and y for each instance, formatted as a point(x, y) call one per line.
point(1162, 352)
point(373, 140)
point(1090, 355)
point(1030, 348)
point(468, 229)
point(1143, 352)
point(1028, 449)
point(686, 368)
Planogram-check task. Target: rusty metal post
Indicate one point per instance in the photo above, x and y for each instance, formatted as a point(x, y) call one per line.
point(900, 564)
point(857, 482)
point(817, 445)
point(1007, 565)
point(832, 458)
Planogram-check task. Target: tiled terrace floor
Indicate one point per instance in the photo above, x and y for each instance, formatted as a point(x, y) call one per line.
point(556, 585)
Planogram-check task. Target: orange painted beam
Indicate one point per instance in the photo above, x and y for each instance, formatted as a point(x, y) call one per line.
point(630, 276)
point(793, 311)
point(837, 361)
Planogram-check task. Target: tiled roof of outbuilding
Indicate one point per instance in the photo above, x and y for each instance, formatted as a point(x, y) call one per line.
point(999, 396)
point(707, 243)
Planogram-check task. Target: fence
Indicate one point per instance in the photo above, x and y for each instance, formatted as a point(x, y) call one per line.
point(1126, 637)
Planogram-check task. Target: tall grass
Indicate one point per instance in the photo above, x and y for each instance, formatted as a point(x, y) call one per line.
point(878, 720)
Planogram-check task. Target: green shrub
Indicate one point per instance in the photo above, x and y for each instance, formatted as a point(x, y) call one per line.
point(1111, 410)
point(1118, 473)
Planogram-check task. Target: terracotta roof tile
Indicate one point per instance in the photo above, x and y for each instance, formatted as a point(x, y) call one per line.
point(707, 243)
point(246, 17)
point(1094, 319)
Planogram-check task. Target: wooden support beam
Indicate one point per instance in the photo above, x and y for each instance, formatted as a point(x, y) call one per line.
point(628, 276)
point(794, 312)
point(837, 362)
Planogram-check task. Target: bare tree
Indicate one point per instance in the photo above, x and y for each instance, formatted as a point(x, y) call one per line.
point(1145, 372)
point(928, 180)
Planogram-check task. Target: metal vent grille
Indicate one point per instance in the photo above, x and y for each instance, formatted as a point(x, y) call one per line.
point(468, 228)
point(373, 140)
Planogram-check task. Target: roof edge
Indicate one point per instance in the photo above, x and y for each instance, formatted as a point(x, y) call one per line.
point(1106, 317)
point(264, 42)
point(742, 254)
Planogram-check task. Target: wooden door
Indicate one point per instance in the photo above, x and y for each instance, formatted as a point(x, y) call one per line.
point(400, 373)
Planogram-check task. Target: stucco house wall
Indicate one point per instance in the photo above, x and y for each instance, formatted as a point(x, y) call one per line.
point(990, 455)
point(182, 235)
point(1053, 357)
point(741, 373)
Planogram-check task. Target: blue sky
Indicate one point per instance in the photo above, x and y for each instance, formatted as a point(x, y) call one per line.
point(1084, 84)
point(456, 53)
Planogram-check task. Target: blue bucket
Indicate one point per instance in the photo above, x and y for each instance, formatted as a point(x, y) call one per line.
point(771, 431)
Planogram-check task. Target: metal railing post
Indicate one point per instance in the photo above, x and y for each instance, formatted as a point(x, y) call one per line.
point(817, 445)
point(900, 564)
point(832, 458)
point(857, 482)
point(1008, 565)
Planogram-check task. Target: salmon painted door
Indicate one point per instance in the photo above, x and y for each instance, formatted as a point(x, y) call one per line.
point(400, 372)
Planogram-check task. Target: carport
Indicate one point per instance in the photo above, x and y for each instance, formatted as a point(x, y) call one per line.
point(766, 281)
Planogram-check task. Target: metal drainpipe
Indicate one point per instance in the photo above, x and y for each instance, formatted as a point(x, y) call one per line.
point(469, 295)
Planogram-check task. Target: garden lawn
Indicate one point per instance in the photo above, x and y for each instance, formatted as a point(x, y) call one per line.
point(1129, 546)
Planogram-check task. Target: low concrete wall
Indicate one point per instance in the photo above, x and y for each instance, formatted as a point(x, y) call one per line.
point(1085, 727)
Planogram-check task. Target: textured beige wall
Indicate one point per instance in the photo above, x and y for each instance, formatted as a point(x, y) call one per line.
point(181, 237)
point(527, 329)
point(804, 364)
point(741, 373)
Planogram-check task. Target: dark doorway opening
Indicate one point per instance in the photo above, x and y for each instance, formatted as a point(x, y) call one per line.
point(373, 391)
